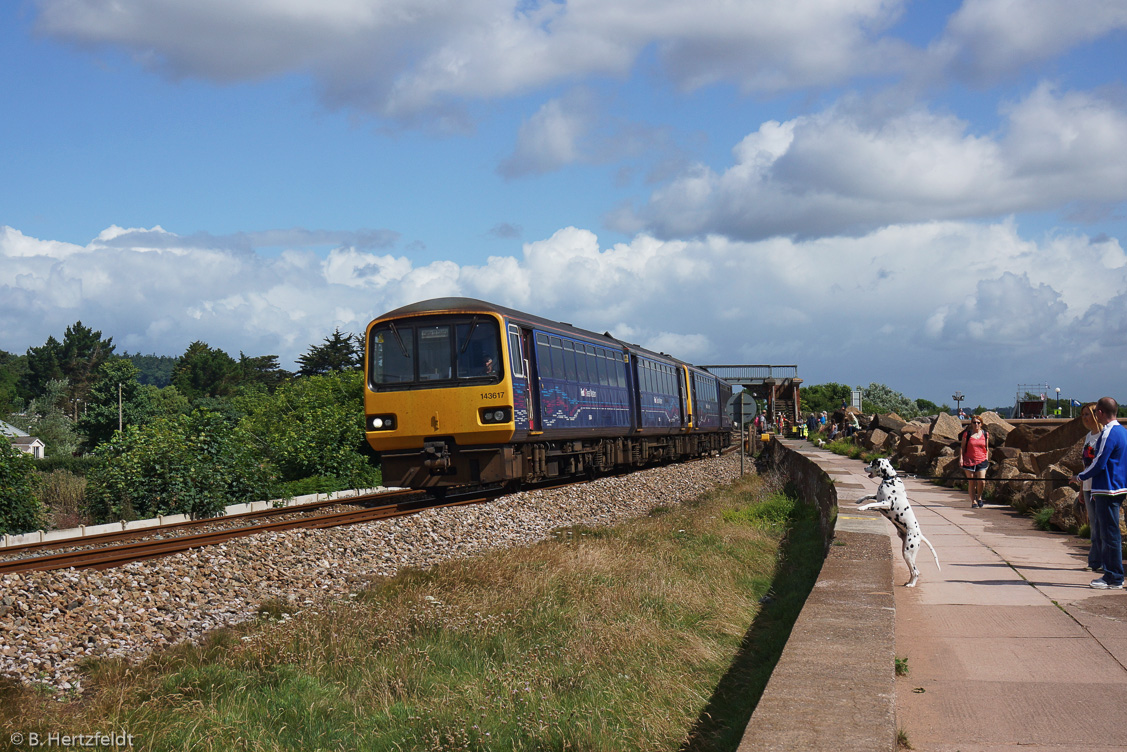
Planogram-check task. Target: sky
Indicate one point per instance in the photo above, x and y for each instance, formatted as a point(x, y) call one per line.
point(928, 195)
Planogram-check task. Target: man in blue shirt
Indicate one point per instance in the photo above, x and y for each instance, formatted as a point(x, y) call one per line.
point(1108, 473)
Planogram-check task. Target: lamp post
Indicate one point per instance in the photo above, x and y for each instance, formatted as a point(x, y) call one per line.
point(1059, 413)
point(958, 397)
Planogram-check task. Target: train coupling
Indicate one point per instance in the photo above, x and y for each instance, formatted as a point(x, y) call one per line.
point(437, 458)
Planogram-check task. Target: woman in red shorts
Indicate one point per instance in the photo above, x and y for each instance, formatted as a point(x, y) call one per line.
point(976, 449)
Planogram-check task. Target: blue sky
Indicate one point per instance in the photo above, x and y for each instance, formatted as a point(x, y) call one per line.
point(931, 195)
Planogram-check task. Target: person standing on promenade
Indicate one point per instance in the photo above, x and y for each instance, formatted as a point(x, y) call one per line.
point(1091, 441)
point(1108, 473)
point(975, 459)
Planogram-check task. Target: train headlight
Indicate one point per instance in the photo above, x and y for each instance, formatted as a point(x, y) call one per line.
point(381, 423)
point(493, 415)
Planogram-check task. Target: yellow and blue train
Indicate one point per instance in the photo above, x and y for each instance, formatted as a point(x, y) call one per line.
point(461, 392)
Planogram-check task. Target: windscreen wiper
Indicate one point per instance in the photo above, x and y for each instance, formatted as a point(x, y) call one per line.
point(473, 325)
point(398, 339)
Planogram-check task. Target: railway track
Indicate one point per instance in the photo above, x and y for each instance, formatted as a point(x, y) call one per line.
point(180, 528)
point(114, 549)
point(107, 550)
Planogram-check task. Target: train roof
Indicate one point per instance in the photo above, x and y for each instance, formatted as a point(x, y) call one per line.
point(470, 305)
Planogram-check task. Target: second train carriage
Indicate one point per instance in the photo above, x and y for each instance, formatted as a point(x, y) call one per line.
point(460, 391)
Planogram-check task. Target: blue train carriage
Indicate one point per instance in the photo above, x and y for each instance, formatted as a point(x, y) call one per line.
point(461, 392)
point(711, 398)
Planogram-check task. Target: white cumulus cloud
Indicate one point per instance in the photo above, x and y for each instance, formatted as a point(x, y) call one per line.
point(846, 170)
point(926, 306)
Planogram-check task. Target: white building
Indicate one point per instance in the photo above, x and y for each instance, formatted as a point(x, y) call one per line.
point(24, 442)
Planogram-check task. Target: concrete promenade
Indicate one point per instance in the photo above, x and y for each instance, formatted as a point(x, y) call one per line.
point(1007, 647)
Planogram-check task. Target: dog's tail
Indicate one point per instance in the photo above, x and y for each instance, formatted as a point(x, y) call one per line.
point(925, 540)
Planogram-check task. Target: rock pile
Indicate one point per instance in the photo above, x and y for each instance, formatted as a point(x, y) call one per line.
point(1029, 464)
point(51, 621)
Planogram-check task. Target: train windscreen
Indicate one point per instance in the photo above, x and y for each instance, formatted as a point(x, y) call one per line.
point(424, 352)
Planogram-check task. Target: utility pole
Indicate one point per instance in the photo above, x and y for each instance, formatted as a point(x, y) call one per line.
point(119, 406)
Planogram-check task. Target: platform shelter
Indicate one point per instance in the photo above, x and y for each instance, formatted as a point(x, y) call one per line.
point(773, 387)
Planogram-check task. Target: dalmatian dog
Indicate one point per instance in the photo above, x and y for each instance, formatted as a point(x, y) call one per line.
point(891, 500)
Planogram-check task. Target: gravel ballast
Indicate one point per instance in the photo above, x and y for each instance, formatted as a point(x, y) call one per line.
point(50, 621)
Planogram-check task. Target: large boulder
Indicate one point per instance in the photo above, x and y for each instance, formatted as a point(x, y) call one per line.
point(889, 422)
point(944, 434)
point(1073, 458)
point(949, 466)
point(1043, 460)
point(1021, 437)
point(996, 426)
point(913, 460)
point(939, 465)
point(1064, 435)
point(877, 438)
point(1063, 503)
point(1026, 436)
point(1004, 454)
point(1005, 491)
point(945, 429)
point(1059, 474)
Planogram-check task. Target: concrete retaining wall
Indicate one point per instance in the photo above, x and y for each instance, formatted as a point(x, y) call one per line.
point(833, 688)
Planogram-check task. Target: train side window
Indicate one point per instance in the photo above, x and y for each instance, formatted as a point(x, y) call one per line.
point(557, 359)
point(580, 363)
point(569, 360)
point(601, 368)
point(516, 351)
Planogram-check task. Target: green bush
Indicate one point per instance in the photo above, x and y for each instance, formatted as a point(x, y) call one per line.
point(179, 465)
point(1042, 517)
point(318, 484)
point(77, 465)
point(20, 509)
point(311, 427)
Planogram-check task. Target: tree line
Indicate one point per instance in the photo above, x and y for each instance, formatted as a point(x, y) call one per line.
point(197, 432)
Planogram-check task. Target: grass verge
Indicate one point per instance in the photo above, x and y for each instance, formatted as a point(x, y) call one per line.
point(633, 637)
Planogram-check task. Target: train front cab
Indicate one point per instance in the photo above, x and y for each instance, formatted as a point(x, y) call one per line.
point(439, 399)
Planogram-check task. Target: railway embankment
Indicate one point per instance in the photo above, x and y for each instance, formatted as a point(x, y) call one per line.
point(832, 688)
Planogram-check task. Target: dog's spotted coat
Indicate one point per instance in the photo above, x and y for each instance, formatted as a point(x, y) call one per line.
point(891, 500)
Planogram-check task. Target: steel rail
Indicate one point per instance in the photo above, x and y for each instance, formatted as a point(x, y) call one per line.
point(112, 556)
point(110, 537)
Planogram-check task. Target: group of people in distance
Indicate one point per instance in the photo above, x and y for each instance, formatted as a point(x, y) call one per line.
point(1103, 483)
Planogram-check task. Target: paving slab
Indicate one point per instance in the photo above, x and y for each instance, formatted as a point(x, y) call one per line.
point(1007, 645)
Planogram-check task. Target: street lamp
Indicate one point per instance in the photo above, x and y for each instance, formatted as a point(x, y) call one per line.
point(1058, 403)
point(958, 397)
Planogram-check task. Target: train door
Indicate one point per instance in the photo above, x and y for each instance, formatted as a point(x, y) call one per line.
point(522, 383)
point(686, 405)
point(532, 370)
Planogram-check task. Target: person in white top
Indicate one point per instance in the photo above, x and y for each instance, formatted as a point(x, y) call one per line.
point(1092, 423)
